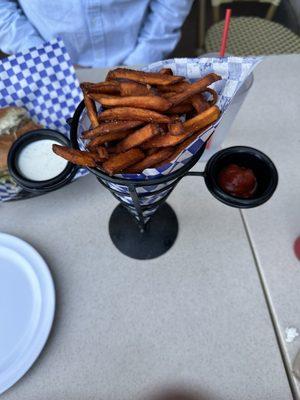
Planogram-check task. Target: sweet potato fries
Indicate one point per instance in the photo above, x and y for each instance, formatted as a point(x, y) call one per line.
point(146, 120)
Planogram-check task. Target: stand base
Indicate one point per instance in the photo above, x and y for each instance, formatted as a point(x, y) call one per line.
point(159, 235)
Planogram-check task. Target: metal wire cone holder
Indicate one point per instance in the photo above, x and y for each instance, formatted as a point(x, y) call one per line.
point(144, 226)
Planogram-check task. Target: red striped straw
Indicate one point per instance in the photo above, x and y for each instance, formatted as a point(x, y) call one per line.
point(225, 32)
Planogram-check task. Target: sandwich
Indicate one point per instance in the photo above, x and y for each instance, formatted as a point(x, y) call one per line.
point(14, 122)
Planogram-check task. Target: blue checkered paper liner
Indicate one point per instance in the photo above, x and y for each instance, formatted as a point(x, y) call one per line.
point(42, 80)
point(146, 213)
point(234, 72)
point(140, 190)
point(145, 200)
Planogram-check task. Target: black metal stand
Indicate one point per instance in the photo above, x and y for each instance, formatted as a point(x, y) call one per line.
point(143, 226)
point(140, 228)
point(157, 238)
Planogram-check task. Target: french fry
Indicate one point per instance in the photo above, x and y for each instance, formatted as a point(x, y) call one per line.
point(193, 125)
point(142, 122)
point(150, 160)
point(199, 103)
point(148, 102)
point(214, 96)
point(138, 137)
point(109, 137)
point(151, 151)
point(178, 149)
point(131, 113)
point(131, 88)
point(167, 95)
point(164, 128)
point(176, 87)
point(91, 110)
point(102, 152)
point(152, 78)
point(166, 71)
point(84, 86)
point(112, 150)
point(182, 108)
point(175, 118)
point(110, 127)
point(82, 158)
point(200, 121)
point(119, 162)
point(101, 87)
point(194, 88)
point(187, 142)
point(176, 128)
point(96, 96)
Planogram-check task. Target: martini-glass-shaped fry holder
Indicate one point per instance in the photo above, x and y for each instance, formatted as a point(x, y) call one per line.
point(143, 225)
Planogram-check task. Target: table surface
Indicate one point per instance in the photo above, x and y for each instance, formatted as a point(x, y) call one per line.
point(270, 121)
point(202, 316)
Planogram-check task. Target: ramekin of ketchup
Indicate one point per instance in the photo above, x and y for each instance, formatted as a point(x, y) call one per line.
point(241, 177)
point(237, 181)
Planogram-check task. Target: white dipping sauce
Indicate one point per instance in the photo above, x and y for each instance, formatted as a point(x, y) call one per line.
point(37, 161)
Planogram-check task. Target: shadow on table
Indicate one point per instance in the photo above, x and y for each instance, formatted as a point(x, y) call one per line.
point(179, 394)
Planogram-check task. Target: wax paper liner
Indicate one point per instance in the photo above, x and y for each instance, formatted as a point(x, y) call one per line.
point(42, 80)
point(234, 71)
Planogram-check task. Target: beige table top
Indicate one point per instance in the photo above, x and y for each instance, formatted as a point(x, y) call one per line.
point(194, 318)
point(270, 121)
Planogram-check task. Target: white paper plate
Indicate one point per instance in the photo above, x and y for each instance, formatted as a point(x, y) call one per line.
point(27, 303)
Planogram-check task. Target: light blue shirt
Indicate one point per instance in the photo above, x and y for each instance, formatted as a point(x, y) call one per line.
point(96, 32)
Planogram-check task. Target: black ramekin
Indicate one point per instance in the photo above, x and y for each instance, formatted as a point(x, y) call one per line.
point(261, 165)
point(39, 186)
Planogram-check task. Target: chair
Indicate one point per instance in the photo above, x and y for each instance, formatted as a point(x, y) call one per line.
point(252, 35)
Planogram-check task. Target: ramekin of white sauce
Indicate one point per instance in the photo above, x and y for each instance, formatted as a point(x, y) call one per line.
point(33, 164)
point(38, 162)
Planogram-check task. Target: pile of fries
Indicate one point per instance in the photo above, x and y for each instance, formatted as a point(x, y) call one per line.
point(148, 119)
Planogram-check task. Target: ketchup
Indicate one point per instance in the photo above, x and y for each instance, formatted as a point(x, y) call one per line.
point(237, 181)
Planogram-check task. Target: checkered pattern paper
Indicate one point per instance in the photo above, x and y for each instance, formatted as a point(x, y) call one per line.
point(43, 81)
point(234, 72)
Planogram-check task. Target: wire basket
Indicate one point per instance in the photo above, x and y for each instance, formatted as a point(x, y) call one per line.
point(154, 224)
point(142, 197)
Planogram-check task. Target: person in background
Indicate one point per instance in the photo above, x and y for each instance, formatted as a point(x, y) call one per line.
point(97, 33)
